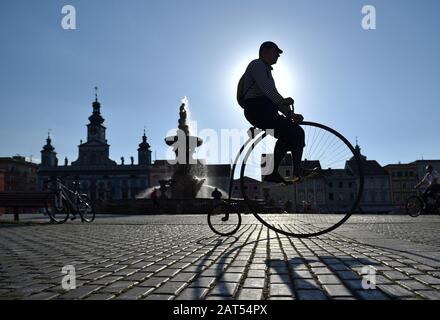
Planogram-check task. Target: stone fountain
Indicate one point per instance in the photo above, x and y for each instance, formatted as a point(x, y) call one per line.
point(184, 183)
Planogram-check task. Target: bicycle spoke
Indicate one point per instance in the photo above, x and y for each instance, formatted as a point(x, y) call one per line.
point(311, 211)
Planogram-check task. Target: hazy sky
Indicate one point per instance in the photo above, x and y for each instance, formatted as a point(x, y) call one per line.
point(380, 85)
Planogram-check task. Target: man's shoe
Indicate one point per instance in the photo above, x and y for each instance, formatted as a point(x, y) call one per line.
point(293, 179)
point(275, 178)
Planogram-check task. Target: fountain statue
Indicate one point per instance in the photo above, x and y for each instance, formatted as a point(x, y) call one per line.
point(184, 183)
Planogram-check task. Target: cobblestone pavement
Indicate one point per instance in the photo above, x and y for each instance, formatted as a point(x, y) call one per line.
point(179, 257)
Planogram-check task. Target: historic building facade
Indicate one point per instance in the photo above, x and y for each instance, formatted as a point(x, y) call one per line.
point(421, 165)
point(403, 178)
point(376, 195)
point(102, 178)
point(17, 174)
point(99, 176)
point(333, 190)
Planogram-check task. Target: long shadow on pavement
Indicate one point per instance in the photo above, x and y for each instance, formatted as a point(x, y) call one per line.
point(297, 276)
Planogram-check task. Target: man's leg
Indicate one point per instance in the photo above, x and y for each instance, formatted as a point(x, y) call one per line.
point(431, 192)
point(279, 154)
point(297, 156)
point(293, 136)
point(425, 195)
point(271, 171)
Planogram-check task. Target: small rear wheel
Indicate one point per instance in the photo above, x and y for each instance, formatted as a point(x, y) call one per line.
point(224, 219)
point(414, 206)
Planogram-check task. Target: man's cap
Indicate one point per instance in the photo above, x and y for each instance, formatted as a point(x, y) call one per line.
point(270, 44)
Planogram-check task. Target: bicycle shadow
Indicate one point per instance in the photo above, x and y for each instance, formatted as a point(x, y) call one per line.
point(296, 273)
point(196, 283)
point(306, 278)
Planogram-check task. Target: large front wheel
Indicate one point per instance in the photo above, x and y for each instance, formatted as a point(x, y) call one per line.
point(317, 204)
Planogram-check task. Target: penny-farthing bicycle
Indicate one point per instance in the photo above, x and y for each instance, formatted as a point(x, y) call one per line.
point(315, 205)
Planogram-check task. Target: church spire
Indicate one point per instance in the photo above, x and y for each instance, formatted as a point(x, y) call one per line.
point(48, 154)
point(48, 146)
point(96, 108)
point(144, 145)
point(144, 152)
point(357, 149)
point(96, 118)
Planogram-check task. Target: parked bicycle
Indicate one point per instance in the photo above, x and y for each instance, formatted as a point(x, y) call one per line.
point(330, 205)
point(415, 205)
point(68, 202)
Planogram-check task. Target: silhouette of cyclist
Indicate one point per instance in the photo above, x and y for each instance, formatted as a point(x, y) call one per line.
point(432, 177)
point(262, 104)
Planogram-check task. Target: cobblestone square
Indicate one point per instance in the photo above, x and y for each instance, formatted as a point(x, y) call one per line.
point(179, 257)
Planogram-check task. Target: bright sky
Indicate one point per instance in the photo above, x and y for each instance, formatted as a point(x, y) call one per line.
point(380, 85)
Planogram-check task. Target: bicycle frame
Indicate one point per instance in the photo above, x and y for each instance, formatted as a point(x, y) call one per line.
point(252, 136)
point(255, 136)
point(68, 194)
point(435, 198)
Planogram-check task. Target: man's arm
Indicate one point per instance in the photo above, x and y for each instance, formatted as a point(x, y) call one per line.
point(422, 181)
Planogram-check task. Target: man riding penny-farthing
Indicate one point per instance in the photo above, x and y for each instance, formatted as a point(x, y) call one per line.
point(311, 163)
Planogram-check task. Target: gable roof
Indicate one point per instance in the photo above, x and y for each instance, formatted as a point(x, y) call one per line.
point(369, 167)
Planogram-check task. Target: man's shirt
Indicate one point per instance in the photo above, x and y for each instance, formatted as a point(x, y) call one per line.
point(430, 177)
point(258, 81)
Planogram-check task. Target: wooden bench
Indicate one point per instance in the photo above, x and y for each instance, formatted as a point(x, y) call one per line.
point(18, 199)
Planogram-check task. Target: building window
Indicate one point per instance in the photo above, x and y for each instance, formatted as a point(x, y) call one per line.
point(287, 173)
point(341, 184)
point(331, 196)
point(330, 184)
